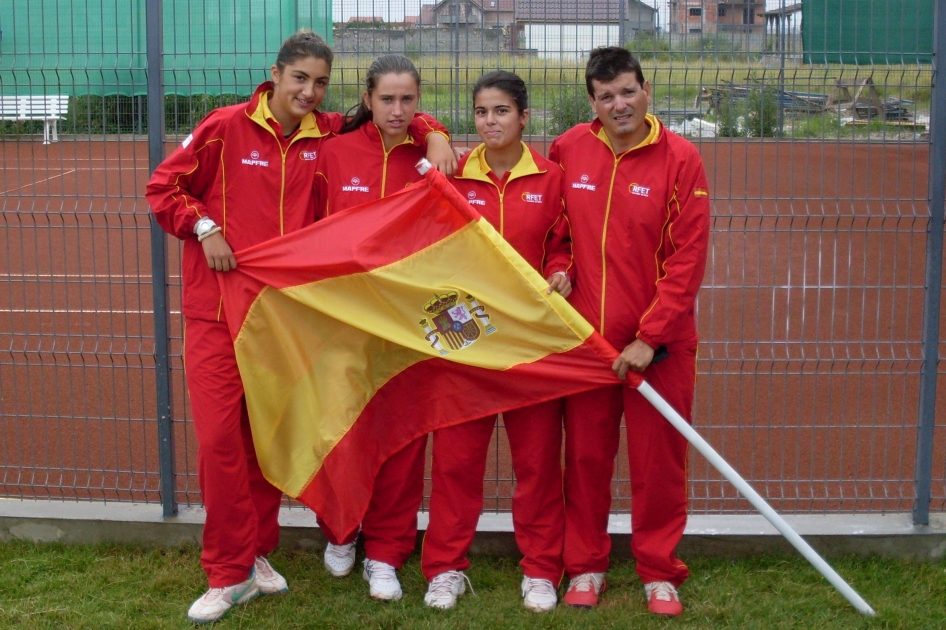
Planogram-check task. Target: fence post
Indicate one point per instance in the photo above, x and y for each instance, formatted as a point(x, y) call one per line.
point(934, 275)
point(159, 277)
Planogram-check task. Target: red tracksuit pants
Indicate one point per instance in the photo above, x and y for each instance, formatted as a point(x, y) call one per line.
point(389, 528)
point(538, 510)
point(657, 455)
point(242, 507)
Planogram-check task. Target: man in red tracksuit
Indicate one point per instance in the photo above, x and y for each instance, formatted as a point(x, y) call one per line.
point(637, 199)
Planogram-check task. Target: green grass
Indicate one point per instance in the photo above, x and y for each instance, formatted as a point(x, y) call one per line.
point(104, 586)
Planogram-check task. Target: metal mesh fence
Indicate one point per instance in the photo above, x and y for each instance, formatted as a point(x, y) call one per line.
point(812, 311)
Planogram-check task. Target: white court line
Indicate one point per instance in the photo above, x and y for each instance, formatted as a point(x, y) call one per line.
point(3, 192)
point(76, 311)
point(69, 276)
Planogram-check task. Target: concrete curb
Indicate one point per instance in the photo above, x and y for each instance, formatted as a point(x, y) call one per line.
point(833, 535)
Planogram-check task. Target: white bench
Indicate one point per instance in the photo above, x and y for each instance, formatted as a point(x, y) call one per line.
point(50, 109)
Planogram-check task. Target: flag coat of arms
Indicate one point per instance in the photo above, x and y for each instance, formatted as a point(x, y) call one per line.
point(377, 325)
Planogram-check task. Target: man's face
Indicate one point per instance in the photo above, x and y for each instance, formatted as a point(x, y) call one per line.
point(621, 106)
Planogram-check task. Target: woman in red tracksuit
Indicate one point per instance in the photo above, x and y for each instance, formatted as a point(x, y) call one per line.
point(374, 157)
point(245, 175)
point(520, 193)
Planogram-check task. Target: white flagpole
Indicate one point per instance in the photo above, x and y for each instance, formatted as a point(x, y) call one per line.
point(754, 498)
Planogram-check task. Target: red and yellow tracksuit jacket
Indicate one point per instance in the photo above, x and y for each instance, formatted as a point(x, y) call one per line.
point(640, 230)
point(525, 208)
point(238, 169)
point(355, 168)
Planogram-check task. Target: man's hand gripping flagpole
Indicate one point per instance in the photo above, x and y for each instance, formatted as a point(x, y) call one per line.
point(636, 381)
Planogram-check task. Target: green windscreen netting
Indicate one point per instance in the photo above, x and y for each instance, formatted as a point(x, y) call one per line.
point(863, 32)
point(80, 47)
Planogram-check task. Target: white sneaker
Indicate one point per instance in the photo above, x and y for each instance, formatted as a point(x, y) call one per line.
point(539, 595)
point(382, 580)
point(339, 559)
point(267, 579)
point(445, 588)
point(215, 603)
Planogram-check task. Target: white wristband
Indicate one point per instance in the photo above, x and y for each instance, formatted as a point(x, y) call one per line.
point(209, 232)
point(563, 273)
point(203, 226)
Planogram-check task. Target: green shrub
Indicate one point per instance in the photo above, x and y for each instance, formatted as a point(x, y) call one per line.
point(762, 112)
point(566, 109)
point(728, 113)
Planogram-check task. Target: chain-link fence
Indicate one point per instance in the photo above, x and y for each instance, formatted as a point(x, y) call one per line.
point(821, 297)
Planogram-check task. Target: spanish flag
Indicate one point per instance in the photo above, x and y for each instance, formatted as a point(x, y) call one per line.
point(387, 321)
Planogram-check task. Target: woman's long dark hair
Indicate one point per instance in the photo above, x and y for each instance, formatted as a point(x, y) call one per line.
point(385, 64)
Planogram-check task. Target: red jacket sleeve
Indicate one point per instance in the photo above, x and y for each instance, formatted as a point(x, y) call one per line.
point(181, 182)
point(423, 125)
point(685, 242)
point(558, 241)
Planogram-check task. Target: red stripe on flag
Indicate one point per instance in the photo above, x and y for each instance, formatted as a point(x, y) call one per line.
point(353, 241)
point(433, 394)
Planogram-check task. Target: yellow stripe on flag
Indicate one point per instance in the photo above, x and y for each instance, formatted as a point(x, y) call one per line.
point(366, 328)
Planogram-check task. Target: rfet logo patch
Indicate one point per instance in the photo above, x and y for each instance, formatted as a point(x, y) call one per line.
point(640, 191)
point(531, 197)
point(308, 156)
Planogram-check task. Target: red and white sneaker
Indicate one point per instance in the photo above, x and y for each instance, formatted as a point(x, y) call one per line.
point(583, 590)
point(662, 599)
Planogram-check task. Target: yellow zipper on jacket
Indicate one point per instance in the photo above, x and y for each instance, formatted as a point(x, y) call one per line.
point(604, 240)
point(652, 136)
point(384, 165)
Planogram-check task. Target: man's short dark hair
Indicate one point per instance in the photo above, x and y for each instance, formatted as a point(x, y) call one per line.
point(606, 63)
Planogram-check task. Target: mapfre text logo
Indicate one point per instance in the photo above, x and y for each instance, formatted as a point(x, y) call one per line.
point(471, 197)
point(583, 184)
point(254, 160)
point(356, 186)
point(640, 191)
point(531, 198)
point(308, 156)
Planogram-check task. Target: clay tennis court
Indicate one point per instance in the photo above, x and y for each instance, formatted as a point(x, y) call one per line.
point(810, 319)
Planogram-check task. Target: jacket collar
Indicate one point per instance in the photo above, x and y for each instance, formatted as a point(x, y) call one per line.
point(258, 111)
point(477, 168)
point(374, 134)
point(653, 135)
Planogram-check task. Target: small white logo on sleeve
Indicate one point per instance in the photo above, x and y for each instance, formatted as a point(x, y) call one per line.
point(254, 160)
point(187, 141)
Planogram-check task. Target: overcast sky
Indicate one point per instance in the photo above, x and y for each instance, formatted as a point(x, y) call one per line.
point(395, 10)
